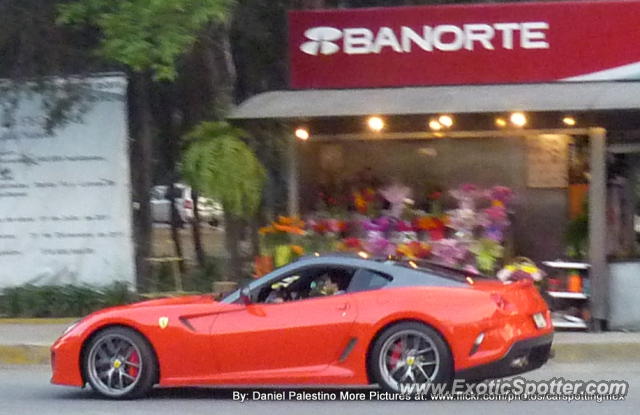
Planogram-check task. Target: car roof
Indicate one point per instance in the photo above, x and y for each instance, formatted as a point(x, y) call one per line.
point(402, 273)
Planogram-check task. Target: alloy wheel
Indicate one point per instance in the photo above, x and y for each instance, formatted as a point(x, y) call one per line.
point(408, 356)
point(114, 365)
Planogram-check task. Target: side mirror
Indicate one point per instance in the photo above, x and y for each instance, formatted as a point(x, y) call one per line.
point(245, 295)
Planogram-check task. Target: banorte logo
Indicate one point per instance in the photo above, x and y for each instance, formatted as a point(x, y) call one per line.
point(326, 40)
point(321, 41)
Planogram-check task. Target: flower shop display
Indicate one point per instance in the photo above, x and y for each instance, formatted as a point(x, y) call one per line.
point(280, 242)
point(397, 195)
point(521, 269)
point(469, 235)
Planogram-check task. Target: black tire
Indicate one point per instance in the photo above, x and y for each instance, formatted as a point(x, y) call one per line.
point(442, 375)
point(117, 338)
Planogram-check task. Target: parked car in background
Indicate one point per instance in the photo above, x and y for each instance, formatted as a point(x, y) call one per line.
point(209, 210)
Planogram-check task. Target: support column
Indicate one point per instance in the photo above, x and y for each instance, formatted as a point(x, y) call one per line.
point(293, 193)
point(599, 272)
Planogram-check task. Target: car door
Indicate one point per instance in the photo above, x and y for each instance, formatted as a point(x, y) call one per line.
point(260, 340)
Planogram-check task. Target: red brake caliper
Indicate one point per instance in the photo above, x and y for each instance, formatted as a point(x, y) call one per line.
point(396, 354)
point(134, 358)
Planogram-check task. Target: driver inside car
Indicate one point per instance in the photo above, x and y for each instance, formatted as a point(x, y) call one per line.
point(324, 286)
point(277, 295)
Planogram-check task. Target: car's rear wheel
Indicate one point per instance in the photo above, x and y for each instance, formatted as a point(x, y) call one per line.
point(119, 363)
point(410, 353)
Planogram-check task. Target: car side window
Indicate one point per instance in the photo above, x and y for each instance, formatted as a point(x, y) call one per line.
point(368, 280)
point(310, 282)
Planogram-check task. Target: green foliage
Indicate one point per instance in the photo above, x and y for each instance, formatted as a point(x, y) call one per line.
point(146, 35)
point(577, 236)
point(201, 279)
point(577, 233)
point(62, 301)
point(487, 252)
point(223, 167)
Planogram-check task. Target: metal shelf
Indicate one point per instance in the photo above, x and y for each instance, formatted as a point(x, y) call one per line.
point(568, 295)
point(567, 265)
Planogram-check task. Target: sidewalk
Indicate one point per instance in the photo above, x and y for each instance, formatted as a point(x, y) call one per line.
point(27, 341)
point(614, 346)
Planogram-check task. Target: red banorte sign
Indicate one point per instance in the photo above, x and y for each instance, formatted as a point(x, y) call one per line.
point(465, 44)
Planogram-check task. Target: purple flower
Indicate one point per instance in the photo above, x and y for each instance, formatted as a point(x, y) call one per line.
point(379, 246)
point(381, 224)
point(494, 233)
point(449, 251)
point(501, 193)
point(520, 275)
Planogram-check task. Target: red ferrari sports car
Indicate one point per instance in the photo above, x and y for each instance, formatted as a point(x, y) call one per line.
point(321, 320)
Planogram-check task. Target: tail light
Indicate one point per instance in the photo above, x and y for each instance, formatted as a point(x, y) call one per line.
point(188, 204)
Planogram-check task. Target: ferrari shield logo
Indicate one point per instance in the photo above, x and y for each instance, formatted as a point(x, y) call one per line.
point(163, 322)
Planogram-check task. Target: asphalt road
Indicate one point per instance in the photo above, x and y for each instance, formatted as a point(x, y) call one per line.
point(26, 390)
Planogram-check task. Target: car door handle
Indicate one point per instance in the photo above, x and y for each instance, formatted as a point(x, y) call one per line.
point(343, 307)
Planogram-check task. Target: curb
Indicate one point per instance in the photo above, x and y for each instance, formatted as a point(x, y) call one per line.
point(24, 354)
point(39, 321)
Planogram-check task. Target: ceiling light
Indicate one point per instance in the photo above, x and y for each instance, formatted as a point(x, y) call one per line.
point(435, 125)
point(375, 123)
point(518, 119)
point(445, 121)
point(302, 134)
point(501, 122)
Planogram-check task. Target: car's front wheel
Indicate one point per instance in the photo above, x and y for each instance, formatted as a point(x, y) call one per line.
point(119, 363)
point(410, 353)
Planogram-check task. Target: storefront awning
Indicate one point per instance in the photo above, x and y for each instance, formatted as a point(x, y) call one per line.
point(450, 99)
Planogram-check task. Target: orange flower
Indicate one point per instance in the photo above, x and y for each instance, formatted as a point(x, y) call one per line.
point(288, 229)
point(290, 221)
point(297, 250)
point(266, 229)
point(414, 250)
point(360, 203)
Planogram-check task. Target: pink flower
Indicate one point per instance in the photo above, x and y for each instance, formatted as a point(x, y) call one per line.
point(469, 187)
point(404, 226)
point(501, 193)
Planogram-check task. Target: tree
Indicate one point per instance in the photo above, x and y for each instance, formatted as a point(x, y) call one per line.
point(146, 38)
point(219, 163)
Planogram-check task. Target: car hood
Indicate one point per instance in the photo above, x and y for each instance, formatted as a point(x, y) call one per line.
point(188, 299)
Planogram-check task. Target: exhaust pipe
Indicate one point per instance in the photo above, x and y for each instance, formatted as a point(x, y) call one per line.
point(519, 362)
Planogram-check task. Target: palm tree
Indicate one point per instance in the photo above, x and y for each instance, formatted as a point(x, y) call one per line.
point(221, 165)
